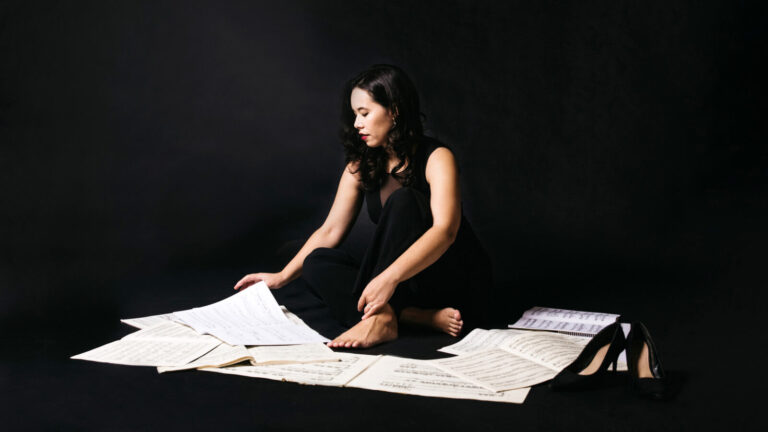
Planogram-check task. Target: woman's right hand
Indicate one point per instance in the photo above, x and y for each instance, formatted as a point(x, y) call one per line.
point(273, 280)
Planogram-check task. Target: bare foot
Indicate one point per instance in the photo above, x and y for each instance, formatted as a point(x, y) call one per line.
point(371, 331)
point(447, 320)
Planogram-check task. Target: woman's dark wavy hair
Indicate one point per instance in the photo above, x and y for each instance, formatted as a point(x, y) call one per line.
point(391, 88)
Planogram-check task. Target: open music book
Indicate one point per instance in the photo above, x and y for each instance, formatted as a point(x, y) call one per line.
point(575, 323)
point(225, 355)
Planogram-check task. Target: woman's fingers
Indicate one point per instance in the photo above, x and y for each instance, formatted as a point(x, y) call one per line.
point(247, 281)
point(370, 310)
point(361, 303)
point(240, 283)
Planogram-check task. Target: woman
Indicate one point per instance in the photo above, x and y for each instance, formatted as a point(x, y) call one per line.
point(424, 265)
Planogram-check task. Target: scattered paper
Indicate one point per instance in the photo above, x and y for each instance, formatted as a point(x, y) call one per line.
point(165, 344)
point(524, 360)
point(480, 340)
point(327, 373)
point(483, 340)
point(250, 317)
point(415, 377)
point(148, 321)
point(222, 355)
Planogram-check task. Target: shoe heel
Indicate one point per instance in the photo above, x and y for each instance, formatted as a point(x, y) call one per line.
point(657, 386)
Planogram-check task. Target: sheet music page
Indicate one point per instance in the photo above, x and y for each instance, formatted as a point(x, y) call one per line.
point(278, 334)
point(292, 317)
point(496, 369)
point(299, 322)
point(222, 355)
point(250, 317)
point(335, 374)
point(165, 344)
point(481, 340)
point(564, 320)
point(415, 377)
point(148, 321)
point(555, 351)
point(558, 326)
point(254, 304)
point(287, 354)
point(553, 314)
point(168, 330)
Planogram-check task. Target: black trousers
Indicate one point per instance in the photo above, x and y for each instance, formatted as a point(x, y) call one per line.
point(339, 280)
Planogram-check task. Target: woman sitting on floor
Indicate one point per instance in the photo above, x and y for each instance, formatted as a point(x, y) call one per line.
point(424, 264)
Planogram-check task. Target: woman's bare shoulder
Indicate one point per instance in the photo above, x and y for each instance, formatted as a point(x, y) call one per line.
point(441, 158)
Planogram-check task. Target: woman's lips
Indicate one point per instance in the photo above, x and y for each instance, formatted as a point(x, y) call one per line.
point(363, 137)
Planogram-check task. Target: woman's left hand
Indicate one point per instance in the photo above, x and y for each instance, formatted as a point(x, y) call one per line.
point(375, 295)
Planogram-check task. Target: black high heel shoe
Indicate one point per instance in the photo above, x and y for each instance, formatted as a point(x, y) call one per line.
point(644, 365)
point(593, 361)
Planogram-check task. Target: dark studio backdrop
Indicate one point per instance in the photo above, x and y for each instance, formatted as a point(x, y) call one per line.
point(612, 154)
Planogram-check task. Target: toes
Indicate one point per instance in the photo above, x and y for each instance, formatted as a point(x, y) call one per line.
point(455, 328)
point(456, 315)
point(338, 342)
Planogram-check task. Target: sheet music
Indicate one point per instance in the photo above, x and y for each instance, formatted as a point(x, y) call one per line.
point(168, 330)
point(225, 355)
point(299, 322)
point(523, 360)
point(222, 355)
point(496, 369)
point(480, 340)
point(165, 344)
point(555, 351)
point(564, 320)
point(415, 377)
point(327, 373)
point(287, 354)
point(250, 317)
point(583, 341)
point(571, 315)
point(148, 321)
point(292, 317)
point(558, 326)
point(255, 304)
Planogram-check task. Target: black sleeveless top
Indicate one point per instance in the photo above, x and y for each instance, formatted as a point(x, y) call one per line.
point(465, 263)
point(419, 163)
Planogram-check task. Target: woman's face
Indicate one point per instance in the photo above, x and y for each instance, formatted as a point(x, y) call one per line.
point(372, 120)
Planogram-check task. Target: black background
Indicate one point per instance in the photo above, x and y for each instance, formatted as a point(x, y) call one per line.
point(612, 157)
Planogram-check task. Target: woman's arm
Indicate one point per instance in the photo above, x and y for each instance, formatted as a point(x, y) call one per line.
point(344, 211)
point(445, 203)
